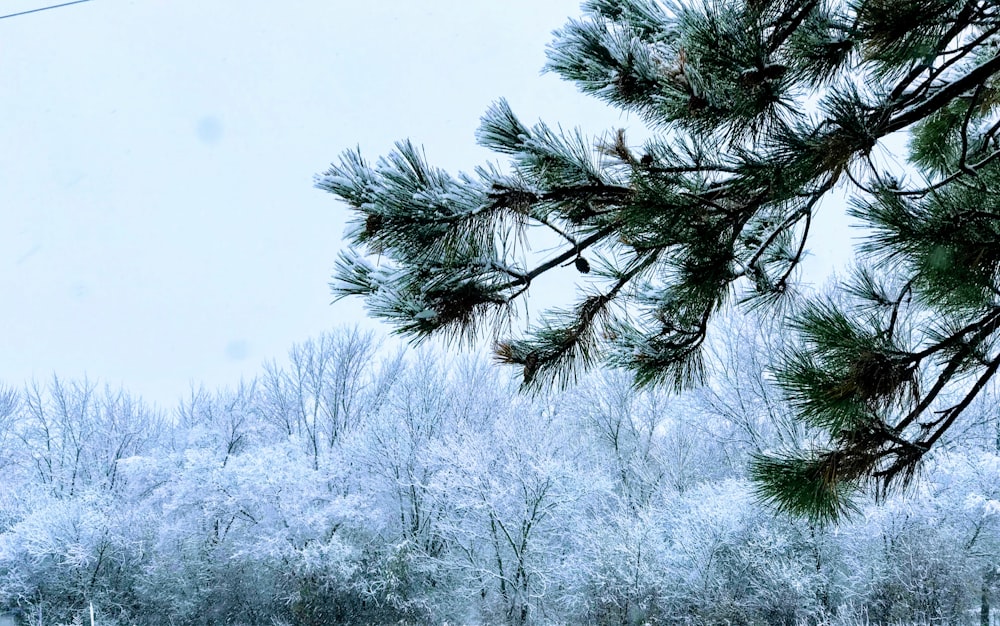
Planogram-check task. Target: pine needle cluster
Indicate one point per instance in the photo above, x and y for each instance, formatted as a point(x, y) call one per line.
point(758, 109)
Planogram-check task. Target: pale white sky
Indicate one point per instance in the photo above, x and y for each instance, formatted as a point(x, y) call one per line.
point(159, 225)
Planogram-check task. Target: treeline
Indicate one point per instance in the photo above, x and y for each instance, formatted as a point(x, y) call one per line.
point(350, 486)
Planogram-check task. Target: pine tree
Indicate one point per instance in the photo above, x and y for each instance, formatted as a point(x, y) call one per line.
point(758, 109)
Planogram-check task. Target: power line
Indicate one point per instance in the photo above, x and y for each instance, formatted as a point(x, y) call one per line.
point(55, 6)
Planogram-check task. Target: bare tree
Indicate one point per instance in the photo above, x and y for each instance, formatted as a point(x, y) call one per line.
point(326, 388)
point(74, 436)
point(750, 413)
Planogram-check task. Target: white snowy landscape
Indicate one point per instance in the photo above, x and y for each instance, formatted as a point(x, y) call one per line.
point(755, 383)
point(348, 485)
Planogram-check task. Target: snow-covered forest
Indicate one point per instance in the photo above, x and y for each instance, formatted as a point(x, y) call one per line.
point(355, 485)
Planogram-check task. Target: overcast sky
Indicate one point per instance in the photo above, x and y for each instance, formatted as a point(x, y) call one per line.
point(160, 227)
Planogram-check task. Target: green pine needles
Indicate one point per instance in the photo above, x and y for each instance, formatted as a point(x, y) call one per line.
point(759, 108)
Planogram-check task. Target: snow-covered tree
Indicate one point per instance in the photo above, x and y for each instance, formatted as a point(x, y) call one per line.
point(506, 489)
point(71, 434)
point(449, 498)
point(327, 387)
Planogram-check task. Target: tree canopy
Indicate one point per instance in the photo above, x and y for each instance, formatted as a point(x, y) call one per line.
point(757, 110)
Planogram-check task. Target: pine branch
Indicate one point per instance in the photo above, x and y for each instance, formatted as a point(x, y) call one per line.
point(726, 192)
point(953, 412)
point(943, 96)
point(527, 277)
point(551, 352)
point(983, 329)
point(511, 197)
point(897, 95)
point(973, 169)
point(790, 21)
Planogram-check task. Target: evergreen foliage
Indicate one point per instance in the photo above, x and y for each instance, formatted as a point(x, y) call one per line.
point(758, 109)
